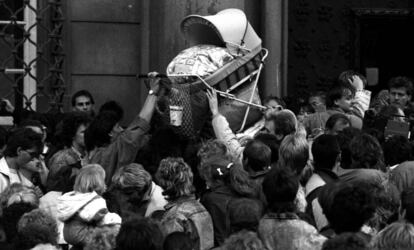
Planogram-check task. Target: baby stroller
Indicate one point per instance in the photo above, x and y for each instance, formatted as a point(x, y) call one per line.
point(236, 81)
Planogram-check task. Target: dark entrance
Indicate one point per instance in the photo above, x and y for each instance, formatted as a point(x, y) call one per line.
point(385, 43)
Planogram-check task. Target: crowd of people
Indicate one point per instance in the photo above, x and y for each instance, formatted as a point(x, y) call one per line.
point(326, 174)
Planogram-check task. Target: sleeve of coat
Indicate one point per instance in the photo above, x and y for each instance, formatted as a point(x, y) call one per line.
point(361, 103)
point(131, 140)
point(223, 132)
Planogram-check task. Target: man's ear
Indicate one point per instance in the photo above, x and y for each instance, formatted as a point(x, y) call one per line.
point(18, 150)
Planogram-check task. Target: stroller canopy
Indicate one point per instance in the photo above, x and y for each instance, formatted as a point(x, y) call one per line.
point(228, 28)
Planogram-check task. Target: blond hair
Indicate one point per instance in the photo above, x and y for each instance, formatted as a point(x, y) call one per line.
point(90, 178)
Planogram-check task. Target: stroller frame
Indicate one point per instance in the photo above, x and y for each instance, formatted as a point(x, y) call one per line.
point(227, 94)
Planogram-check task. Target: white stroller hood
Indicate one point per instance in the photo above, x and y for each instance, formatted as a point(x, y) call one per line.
point(228, 28)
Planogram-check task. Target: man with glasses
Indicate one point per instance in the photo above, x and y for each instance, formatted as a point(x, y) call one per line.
point(23, 147)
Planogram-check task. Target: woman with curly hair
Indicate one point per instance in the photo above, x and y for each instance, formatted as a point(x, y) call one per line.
point(72, 148)
point(183, 213)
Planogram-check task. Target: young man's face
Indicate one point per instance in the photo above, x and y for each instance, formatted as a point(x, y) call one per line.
point(399, 97)
point(345, 101)
point(83, 104)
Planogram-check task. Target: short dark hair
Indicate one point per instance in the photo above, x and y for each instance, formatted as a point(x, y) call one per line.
point(397, 149)
point(139, 233)
point(352, 206)
point(344, 137)
point(82, 92)
point(280, 187)
point(25, 138)
point(346, 241)
point(336, 93)
point(285, 122)
point(258, 155)
point(271, 141)
point(407, 203)
point(325, 151)
point(401, 82)
point(333, 119)
point(113, 106)
point(245, 213)
point(179, 241)
point(366, 152)
point(70, 125)
point(346, 76)
point(97, 133)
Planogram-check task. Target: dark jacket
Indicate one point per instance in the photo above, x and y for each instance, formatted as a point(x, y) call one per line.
point(217, 201)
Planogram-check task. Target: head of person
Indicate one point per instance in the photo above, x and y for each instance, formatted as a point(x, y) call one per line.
point(179, 241)
point(340, 97)
point(346, 241)
point(139, 233)
point(245, 214)
point(243, 240)
point(352, 206)
point(26, 195)
point(274, 103)
point(400, 89)
point(82, 101)
point(220, 171)
point(281, 123)
point(280, 187)
point(317, 100)
point(344, 137)
point(103, 238)
point(335, 123)
point(397, 149)
point(112, 106)
point(346, 77)
point(90, 178)
point(73, 129)
point(24, 145)
point(294, 153)
point(103, 130)
point(257, 156)
point(212, 148)
point(11, 216)
point(366, 152)
point(407, 204)
point(398, 235)
point(175, 177)
point(134, 182)
point(9, 191)
point(271, 141)
point(37, 126)
point(36, 227)
point(326, 152)
point(64, 179)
